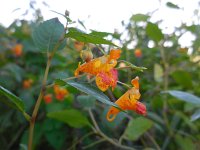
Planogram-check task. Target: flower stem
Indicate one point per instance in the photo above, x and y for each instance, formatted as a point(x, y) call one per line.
point(101, 49)
point(99, 132)
point(38, 102)
point(153, 141)
point(94, 143)
point(124, 84)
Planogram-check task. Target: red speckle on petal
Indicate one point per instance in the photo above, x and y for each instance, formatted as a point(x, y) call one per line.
point(141, 108)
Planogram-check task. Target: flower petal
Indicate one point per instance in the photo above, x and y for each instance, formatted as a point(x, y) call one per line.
point(102, 81)
point(115, 54)
point(135, 82)
point(140, 108)
point(128, 101)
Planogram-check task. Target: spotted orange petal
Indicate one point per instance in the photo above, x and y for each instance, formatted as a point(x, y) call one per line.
point(102, 81)
point(106, 79)
point(128, 101)
point(115, 54)
point(135, 82)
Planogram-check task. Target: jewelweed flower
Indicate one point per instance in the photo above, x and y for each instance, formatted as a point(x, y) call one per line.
point(128, 101)
point(60, 92)
point(138, 53)
point(103, 69)
point(17, 50)
point(100, 64)
point(27, 83)
point(47, 98)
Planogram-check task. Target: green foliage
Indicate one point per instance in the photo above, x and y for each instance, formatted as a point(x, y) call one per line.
point(93, 91)
point(139, 17)
point(184, 143)
point(94, 37)
point(14, 101)
point(72, 117)
point(48, 34)
point(171, 5)
point(137, 127)
point(184, 96)
point(196, 115)
point(183, 78)
point(158, 73)
point(86, 101)
point(154, 32)
point(172, 122)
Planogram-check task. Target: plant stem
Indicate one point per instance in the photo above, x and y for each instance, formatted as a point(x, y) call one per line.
point(81, 139)
point(94, 143)
point(153, 141)
point(165, 88)
point(66, 79)
point(38, 102)
point(98, 131)
point(101, 49)
point(124, 84)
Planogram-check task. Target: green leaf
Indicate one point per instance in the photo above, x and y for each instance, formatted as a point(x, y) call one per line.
point(183, 78)
point(60, 82)
point(184, 96)
point(72, 117)
point(100, 34)
point(154, 32)
point(47, 35)
point(37, 136)
point(171, 5)
point(18, 103)
point(196, 115)
point(93, 91)
point(137, 127)
point(184, 143)
point(16, 71)
point(158, 73)
point(56, 138)
point(54, 132)
point(86, 101)
point(87, 38)
point(82, 24)
point(139, 17)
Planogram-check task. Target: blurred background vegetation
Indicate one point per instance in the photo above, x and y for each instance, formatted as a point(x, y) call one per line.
point(166, 87)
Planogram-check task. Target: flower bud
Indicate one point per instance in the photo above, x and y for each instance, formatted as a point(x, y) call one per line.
point(66, 13)
point(27, 83)
point(47, 98)
point(17, 50)
point(78, 45)
point(138, 53)
point(86, 55)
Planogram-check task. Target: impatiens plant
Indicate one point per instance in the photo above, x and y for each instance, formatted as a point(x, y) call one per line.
point(50, 36)
point(93, 93)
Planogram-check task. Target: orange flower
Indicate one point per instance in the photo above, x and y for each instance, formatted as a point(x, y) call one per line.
point(138, 53)
point(79, 45)
point(106, 79)
point(128, 101)
point(17, 50)
point(60, 92)
point(47, 98)
point(27, 83)
point(103, 69)
point(101, 64)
